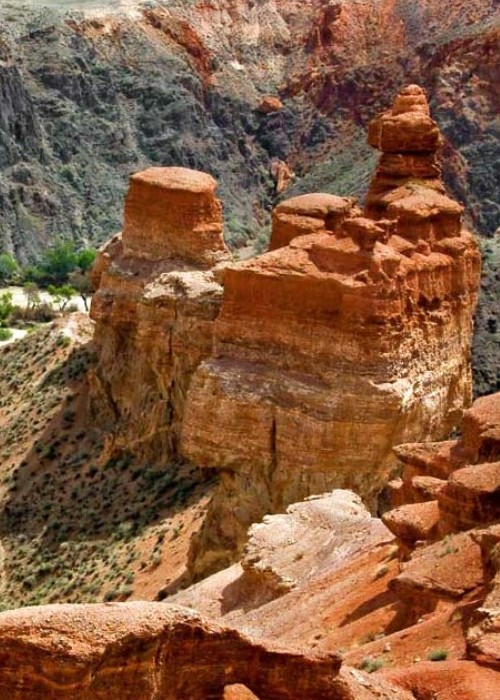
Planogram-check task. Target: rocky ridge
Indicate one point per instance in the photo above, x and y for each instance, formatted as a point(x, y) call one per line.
point(331, 576)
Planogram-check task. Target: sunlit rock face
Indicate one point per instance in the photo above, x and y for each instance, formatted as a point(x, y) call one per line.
point(297, 371)
point(333, 348)
point(154, 308)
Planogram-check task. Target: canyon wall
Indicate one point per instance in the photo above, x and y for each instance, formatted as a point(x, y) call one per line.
point(313, 360)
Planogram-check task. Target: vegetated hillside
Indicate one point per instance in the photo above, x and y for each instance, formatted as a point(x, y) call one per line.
point(76, 525)
point(89, 98)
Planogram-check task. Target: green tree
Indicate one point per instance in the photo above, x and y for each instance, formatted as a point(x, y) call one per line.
point(82, 283)
point(8, 267)
point(85, 258)
point(61, 295)
point(58, 261)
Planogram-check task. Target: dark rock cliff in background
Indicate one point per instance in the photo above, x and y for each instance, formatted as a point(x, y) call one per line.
point(86, 99)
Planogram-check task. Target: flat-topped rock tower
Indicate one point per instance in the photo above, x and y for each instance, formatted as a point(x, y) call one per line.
point(172, 213)
point(155, 304)
point(312, 361)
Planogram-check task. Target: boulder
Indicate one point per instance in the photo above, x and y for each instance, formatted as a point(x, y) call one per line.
point(446, 570)
point(470, 498)
point(413, 522)
point(270, 104)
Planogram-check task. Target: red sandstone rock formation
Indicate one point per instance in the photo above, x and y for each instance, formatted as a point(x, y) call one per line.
point(461, 566)
point(152, 651)
point(326, 352)
point(448, 680)
point(461, 476)
point(147, 651)
point(483, 634)
point(282, 175)
point(270, 103)
point(172, 214)
point(340, 343)
point(154, 308)
point(286, 552)
point(325, 575)
point(418, 521)
point(308, 213)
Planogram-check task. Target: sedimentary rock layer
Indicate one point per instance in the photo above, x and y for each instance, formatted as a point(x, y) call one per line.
point(462, 476)
point(154, 308)
point(459, 520)
point(327, 575)
point(332, 349)
point(146, 651)
point(309, 213)
point(314, 359)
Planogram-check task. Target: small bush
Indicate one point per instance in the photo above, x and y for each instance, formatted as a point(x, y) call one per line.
point(369, 664)
point(41, 313)
point(5, 334)
point(437, 655)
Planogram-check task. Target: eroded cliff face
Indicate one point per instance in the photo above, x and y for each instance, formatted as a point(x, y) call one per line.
point(397, 593)
point(336, 347)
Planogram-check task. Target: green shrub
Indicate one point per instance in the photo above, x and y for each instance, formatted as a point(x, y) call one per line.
point(8, 267)
point(369, 664)
point(6, 306)
point(437, 655)
point(5, 334)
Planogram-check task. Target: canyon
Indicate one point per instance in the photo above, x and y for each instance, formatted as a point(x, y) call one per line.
point(327, 602)
point(264, 468)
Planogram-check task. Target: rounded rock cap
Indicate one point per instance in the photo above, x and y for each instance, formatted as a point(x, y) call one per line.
point(316, 204)
point(177, 179)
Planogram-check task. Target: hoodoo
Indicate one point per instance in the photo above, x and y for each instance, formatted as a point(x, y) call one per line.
point(333, 348)
point(297, 371)
point(156, 301)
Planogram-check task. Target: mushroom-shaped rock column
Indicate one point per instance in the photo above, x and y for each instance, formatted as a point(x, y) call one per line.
point(172, 213)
